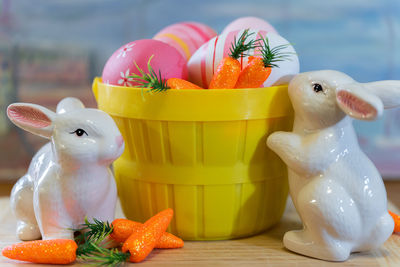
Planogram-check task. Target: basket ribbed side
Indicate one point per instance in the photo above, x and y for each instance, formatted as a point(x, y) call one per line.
point(207, 212)
point(242, 191)
point(193, 143)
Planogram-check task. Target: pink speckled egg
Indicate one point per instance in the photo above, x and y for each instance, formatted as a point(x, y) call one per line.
point(249, 23)
point(205, 60)
point(166, 59)
point(186, 37)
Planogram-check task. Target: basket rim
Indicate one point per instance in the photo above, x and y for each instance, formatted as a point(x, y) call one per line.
point(193, 104)
point(182, 91)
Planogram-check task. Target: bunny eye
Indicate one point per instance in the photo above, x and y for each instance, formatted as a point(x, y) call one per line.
point(79, 132)
point(317, 88)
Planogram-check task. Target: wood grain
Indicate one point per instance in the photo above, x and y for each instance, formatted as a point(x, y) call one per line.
point(261, 250)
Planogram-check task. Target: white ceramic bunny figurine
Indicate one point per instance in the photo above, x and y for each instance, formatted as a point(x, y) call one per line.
point(69, 177)
point(336, 189)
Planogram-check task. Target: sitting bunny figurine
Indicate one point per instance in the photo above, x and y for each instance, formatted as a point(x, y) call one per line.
point(336, 189)
point(69, 177)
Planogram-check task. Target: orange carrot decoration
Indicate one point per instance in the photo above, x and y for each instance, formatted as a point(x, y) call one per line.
point(258, 69)
point(176, 83)
point(119, 231)
point(226, 74)
point(56, 251)
point(123, 228)
point(143, 241)
point(396, 219)
point(156, 83)
point(229, 68)
point(168, 240)
point(139, 241)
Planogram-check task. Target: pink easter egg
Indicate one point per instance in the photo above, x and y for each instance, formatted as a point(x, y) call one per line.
point(249, 23)
point(205, 60)
point(186, 37)
point(121, 64)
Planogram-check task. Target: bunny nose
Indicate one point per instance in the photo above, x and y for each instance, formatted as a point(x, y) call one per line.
point(119, 140)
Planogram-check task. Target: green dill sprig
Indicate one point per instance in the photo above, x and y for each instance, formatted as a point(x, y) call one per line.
point(88, 246)
point(149, 80)
point(92, 234)
point(240, 47)
point(271, 56)
point(103, 256)
point(91, 245)
point(96, 229)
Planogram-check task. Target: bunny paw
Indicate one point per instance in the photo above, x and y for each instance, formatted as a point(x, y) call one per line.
point(301, 242)
point(27, 232)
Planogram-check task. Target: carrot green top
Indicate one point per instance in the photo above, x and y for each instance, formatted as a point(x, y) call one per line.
point(241, 46)
point(150, 80)
point(271, 56)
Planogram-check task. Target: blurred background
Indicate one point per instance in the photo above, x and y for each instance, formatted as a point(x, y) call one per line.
point(53, 49)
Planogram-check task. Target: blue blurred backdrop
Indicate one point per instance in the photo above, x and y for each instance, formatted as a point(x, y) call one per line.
point(63, 44)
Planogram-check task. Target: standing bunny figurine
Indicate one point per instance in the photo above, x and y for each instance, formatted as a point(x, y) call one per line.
point(336, 189)
point(69, 177)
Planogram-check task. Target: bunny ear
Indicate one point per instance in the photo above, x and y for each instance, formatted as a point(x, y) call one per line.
point(358, 103)
point(387, 91)
point(32, 118)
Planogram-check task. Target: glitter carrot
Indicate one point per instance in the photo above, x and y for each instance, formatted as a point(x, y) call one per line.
point(121, 229)
point(143, 241)
point(156, 83)
point(229, 68)
point(136, 248)
point(258, 69)
point(55, 251)
point(396, 219)
point(176, 83)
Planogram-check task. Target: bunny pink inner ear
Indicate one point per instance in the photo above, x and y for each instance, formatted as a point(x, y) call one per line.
point(355, 106)
point(28, 116)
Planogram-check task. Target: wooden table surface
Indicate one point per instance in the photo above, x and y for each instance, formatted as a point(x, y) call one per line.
point(262, 250)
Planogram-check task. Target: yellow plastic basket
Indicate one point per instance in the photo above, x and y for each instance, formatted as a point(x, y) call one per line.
point(202, 153)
